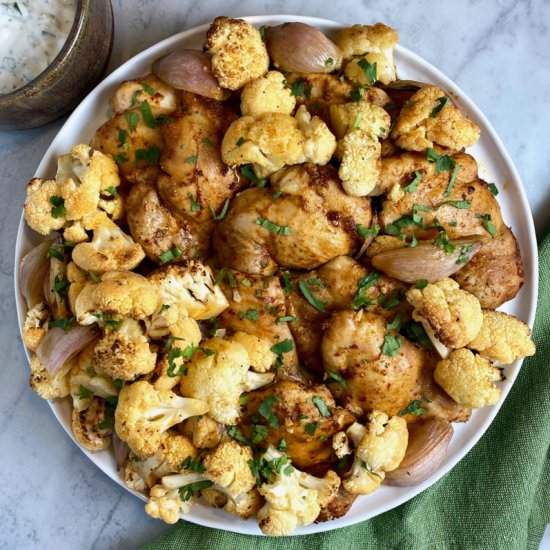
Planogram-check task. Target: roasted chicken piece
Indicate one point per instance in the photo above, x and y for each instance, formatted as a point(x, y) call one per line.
point(305, 417)
point(257, 306)
point(302, 221)
point(335, 285)
point(158, 230)
point(495, 273)
point(132, 136)
point(319, 91)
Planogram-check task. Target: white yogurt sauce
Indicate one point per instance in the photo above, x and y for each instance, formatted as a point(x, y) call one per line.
point(32, 32)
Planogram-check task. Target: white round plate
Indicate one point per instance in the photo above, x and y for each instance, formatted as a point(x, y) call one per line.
point(495, 166)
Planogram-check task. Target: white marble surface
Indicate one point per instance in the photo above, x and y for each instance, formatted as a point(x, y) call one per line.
point(51, 496)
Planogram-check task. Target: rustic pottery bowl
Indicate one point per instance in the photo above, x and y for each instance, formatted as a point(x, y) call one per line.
point(71, 75)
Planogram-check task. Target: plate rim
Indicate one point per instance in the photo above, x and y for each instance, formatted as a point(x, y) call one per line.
point(242, 526)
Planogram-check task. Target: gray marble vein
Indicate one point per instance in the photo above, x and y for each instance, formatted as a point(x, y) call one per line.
point(52, 496)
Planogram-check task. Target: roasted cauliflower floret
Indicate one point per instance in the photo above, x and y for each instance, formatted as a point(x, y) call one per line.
point(169, 500)
point(190, 286)
point(47, 385)
point(92, 427)
point(430, 118)
point(359, 154)
point(175, 452)
point(205, 432)
point(260, 356)
point(43, 207)
point(219, 375)
point(118, 294)
point(272, 140)
point(267, 94)
point(110, 249)
point(124, 352)
point(143, 414)
point(360, 115)
point(293, 498)
point(375, 43)
point(503, 338)
point(468, 378)
point(85, 385)
point(450, 315)
point(36, 325)
point(379, 447)
point(238, 52)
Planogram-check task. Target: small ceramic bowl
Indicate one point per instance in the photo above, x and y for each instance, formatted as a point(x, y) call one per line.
point(71, 75)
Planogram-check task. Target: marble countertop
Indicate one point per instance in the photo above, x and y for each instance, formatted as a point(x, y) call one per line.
point(52, 496)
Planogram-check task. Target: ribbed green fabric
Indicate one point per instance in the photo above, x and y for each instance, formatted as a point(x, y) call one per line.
point(497, 497)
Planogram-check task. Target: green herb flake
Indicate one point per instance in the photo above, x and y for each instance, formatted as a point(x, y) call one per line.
point(240, 141)
point(258, 433)
point(396, 323)
point(442, 102)
point(489, 226)
point(421, 283)
point(261, 30)
point(319, 402)
point(192, 159)
point(414, 407)
point(249, 174)
point(148, 89)
point(111, 190)
point(329, 62)
point(147, 114)
point(59, 250)
point(311, 427)
point(132, 120)
point(106, 319)
point(223, 212)
point(95, 278)
point(300, 88)
point(451, 185)
point(61, 285)
point(493, 188)
point(187, 491)
point(357, 94)
point(122, 138)
point(288, 287)
point(464, 254)
point(367, 232)
point(286, 319)
point(170, 255)
point(208, 142)
point(357, 121)
point(317, 304)
point(332, 376)
point(165, 119)
point(244, 399)
point(273, 227)
point(369, 69)
point(461, 205)
point(233, 432)
point(195, 206)
point(265, 410)
point(413, 186)
point(193, 464)
point(283, 445)
point(285, 346)
point(63, 324)
point(251, 314)
point(360, 300)
point(391, 346)
point(152, 155)
point(121, 158)
point(442, 162)
point(391, 301)
point(58, 206)
point(276, 195)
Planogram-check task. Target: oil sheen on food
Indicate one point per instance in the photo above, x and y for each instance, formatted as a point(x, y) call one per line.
point(32, 33)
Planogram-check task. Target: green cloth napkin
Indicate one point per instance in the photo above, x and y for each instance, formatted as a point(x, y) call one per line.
point(497, 497)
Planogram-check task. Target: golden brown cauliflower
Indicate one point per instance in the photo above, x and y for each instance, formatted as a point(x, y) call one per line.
point(238, 52)
point(272, 140)
point(430, 118)
point(359, 115)
point(36, 325)
point(379, 447)
point(118, 294)
point(124, 352)
point(375, 44)
point(449, 314)
point(41, 214)
point(50, 386)
point(92, 426)
point(267, 94)
point(260, 356)
point(503, 338)
point(468, 378)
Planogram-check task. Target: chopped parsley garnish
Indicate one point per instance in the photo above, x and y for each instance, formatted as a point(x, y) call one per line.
point(358, 94)
point(317, 304)
point(112, 191)
point(165, 119)
point(488, 224)
point(286, 319)
point(147, 114)
point(464, 255)
point(396, 228)
point(329, 62)
point(223, 211)
point(421, 283)
point(451, 185)
point(391, 346)
point(369, 69)
point(409, 103)
point(195, 206)
point(261, 30)
point(396, 323)
point(226, 273)
point(258, 433)
point(287, 283)
point(61, 285)
point(392, 300)
point(273, 227)
point(414, 407)
point(442, 241)
point(442, 102)
point(311, 427)
point(64, 323)
point(240, 141)
point(122, 138)
point(186, 354)
point(493, 188)
point(319, 402)
point(193, 464)
point(357, 121)
point(58, 208)
point(132, 119)
point(442, 162)
point(265, 410)
point(91, 372)
point(58, 251)
point(249, 174)
point(335, 377)
point(95, 278)
point(283, 445)
point(121, 158)
point(233, 431)
point(276, 195)
point(192, 159)
point(300, 88)
point(152, 154)
point(365, 232)
point(149, 89)
point(412, 187)
point(106, 319)
point(461, 205)
point(246, 282)
point(363, 284)
point(164, 307)
point(415, 332)
point(187, 491)
point(285, 346)
point(208, 142)
point(170, 255)
point(251, 314)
